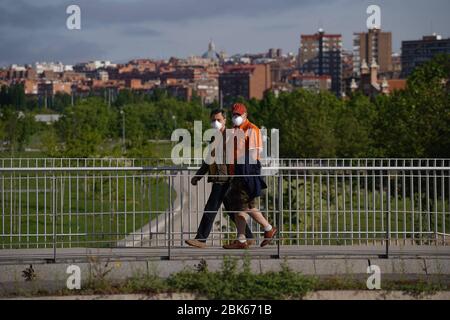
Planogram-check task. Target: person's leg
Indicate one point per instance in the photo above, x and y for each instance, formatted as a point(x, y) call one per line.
point(269, 230)
point(212, 206)
point(233, 202)
point(258, 217)
point(248, 206)
point(241, 223)
point(233, 215)
point(248, 232)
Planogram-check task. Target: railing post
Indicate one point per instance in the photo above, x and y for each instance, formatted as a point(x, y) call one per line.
point(280, 213)
point(54, 216)
point(388, 215)
point(170, 218)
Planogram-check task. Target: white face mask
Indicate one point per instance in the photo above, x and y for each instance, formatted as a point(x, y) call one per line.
point(237, 120)
point(216, 125)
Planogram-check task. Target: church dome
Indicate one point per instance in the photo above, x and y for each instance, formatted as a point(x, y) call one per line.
point(211, 53)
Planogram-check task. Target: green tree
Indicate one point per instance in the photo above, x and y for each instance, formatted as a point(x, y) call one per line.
point(84, 128)
point(306, 124)
point(354, 128)
point(17, 128)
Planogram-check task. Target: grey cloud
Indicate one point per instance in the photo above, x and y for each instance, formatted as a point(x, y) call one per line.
point(26, 14)
point(28, 49)
point(118, 29)
point(141, 30)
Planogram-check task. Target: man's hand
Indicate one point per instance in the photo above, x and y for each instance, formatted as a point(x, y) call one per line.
point(194, 180)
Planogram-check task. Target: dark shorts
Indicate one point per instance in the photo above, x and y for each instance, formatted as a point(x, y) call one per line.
point(237, 198)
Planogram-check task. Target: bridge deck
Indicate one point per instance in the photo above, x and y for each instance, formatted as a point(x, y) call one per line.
point(11, 256)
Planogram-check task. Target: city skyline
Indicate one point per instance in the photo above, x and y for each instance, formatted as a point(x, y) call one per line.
point(120, 31)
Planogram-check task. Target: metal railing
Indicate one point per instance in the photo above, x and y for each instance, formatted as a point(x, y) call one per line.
point(111, 203)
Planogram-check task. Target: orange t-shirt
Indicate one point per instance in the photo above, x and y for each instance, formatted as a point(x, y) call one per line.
point(248, 139)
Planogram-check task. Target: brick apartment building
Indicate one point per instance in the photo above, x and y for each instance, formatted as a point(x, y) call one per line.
point(247, 81)
point(50, 88)
point(310, 82)
point(370, 45)
point(416, 52)
point(321, 54)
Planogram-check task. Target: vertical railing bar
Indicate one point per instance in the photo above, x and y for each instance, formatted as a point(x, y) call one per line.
point(169, 238)
point(388, 225)
point(125, 205)
point(305, 215)
point(142, 210)
point(181, 184)
point(374, 205)
point(45, 209)
point(351, 207)
point(94, 213)
point(70, 209)
point(312, 210)
point(134, 209)
point(54, 215)
point(396, 203)
point(102, 209)
point(404, 204)
point(359, 202)
point(117, 213)
point(328, 207)
point(428, 201)
point(151, 211)
point(62, 207)
point(290, 207)
point(321, 207)
point(190, 205)
point(435, 191)
point(3, 208)
point(78, 203)
point(280, 213)
point(336, 200)
point(37, 208)
point(28, 208)
point(412, 204)
point(420, 209)
point(443, 202)
point(344, 210)
point(157, 176)
point(382, 213)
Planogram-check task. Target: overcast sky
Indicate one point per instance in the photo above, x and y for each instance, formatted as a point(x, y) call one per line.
point(120, 30)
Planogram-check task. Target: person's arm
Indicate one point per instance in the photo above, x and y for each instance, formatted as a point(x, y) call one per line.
point(200, 173)
point(255, 144)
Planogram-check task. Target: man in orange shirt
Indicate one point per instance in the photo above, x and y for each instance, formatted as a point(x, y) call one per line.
point(246, 183)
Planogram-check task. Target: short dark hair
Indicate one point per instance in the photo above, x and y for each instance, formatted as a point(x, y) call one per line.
point(216, 111)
